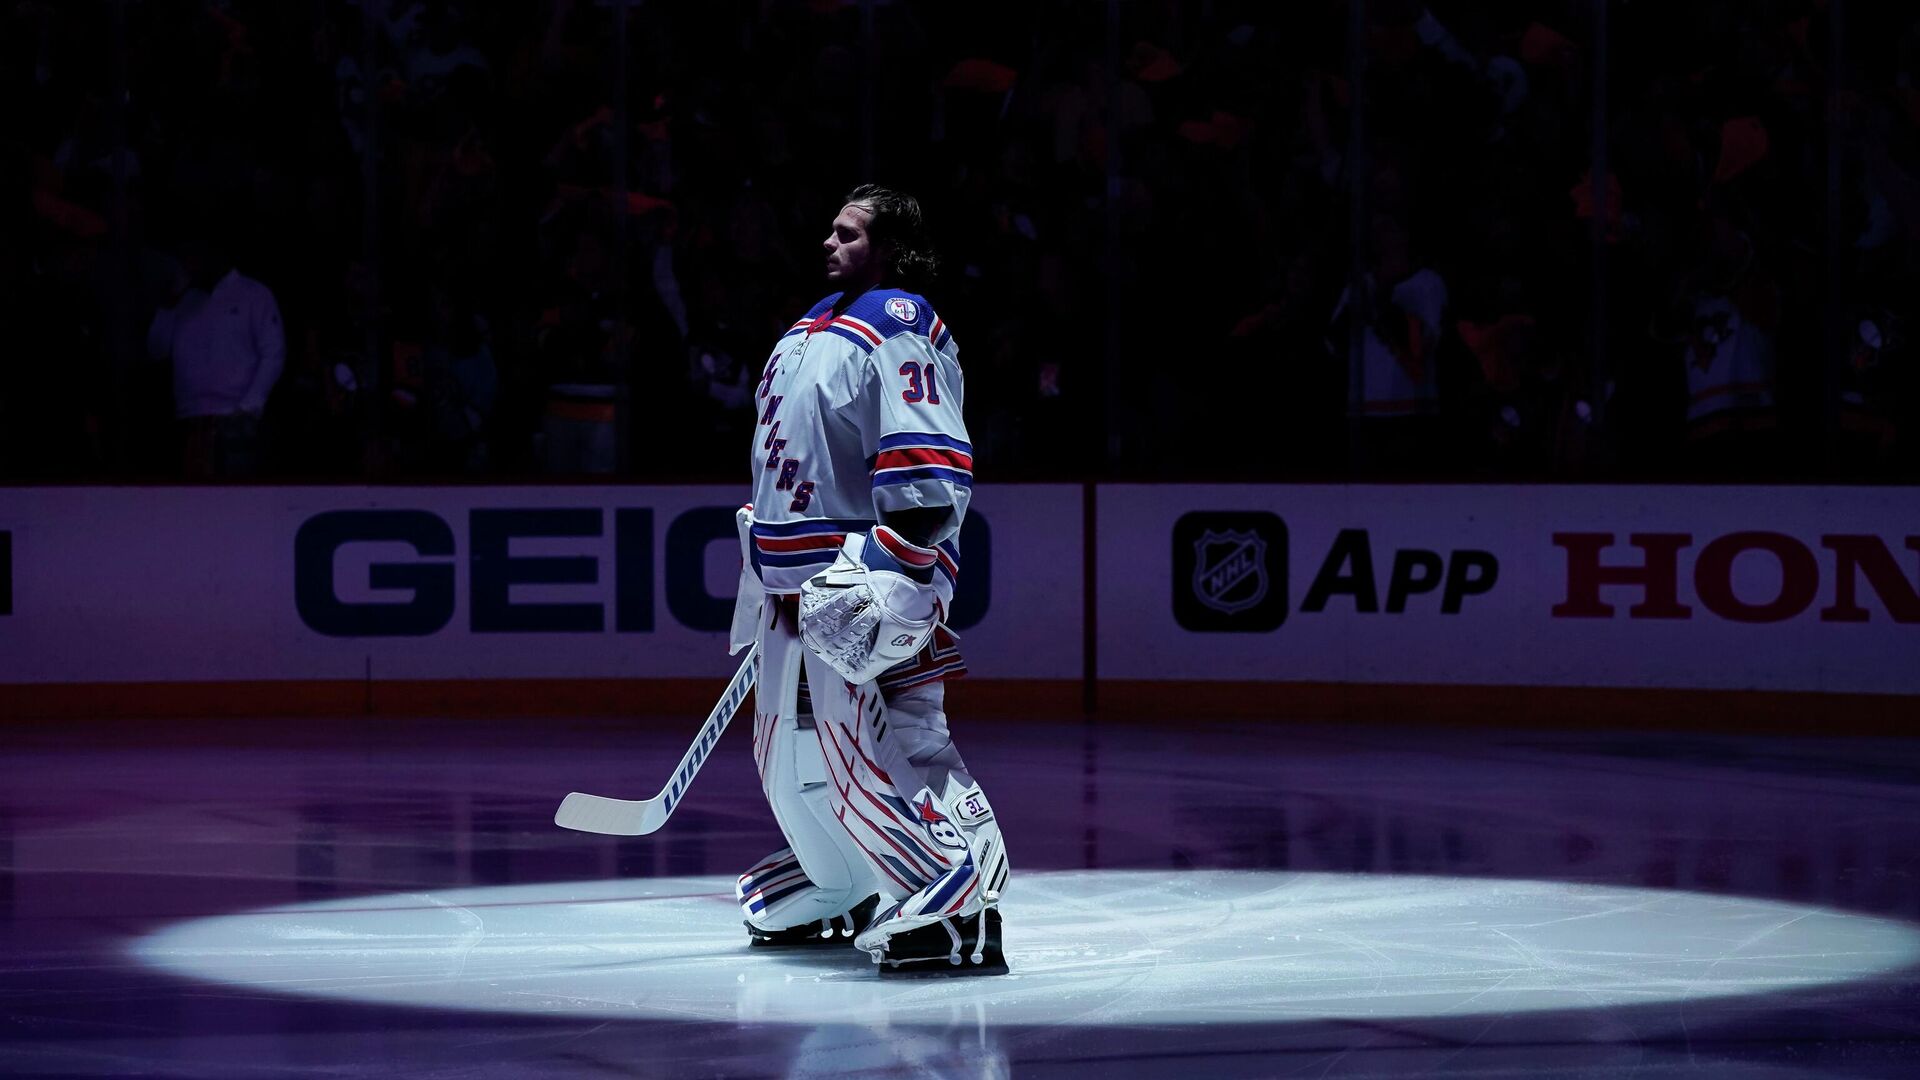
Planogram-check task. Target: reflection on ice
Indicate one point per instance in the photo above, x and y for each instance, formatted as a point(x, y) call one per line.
point(1092, 948)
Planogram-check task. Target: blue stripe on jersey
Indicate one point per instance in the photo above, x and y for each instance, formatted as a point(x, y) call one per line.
point(820, 557)
point(903, 439)
point(922, 472)
point(810, 526)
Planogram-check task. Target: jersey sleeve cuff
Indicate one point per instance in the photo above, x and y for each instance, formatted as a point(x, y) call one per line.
point(908, 558)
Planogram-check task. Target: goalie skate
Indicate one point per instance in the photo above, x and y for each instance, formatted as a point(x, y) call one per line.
point(952, 946)
point(834, 932)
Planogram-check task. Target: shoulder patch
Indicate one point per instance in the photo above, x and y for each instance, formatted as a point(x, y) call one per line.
point(904, 310)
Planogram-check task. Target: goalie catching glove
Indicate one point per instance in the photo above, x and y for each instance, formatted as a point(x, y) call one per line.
point(873, 608)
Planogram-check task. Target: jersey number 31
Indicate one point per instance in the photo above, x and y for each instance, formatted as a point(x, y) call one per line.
point(918, 390)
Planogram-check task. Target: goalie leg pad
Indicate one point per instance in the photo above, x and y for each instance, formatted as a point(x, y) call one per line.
point(821, 875)
point(917, 730)
point(958, 900)
point(901, 792)
point(777, 889)
point(865, 797)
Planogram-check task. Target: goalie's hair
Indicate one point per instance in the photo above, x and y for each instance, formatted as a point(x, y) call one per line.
point(896, 223)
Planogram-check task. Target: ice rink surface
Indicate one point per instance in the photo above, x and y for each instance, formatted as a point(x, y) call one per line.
point(375, 898)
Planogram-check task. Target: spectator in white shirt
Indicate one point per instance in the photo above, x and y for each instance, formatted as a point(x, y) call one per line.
point(222, 331)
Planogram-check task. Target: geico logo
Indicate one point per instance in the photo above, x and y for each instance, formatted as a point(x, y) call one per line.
point(425, 597)
point(1656, 577)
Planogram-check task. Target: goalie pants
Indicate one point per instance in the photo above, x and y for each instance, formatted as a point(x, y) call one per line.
point(868, 791)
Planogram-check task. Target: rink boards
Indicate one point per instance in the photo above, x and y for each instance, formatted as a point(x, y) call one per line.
point(590, 598)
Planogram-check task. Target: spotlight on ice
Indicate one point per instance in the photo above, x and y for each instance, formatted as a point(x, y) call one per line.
point(1131, 947)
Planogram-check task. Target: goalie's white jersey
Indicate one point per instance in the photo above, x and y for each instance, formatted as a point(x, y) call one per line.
point(859, 413)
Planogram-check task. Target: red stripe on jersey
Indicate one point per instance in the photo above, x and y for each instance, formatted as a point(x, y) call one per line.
point(800, 543)
point(900, 549)
point(938, 326)
point(923, 455)
point(946, 560)
point(858, 327)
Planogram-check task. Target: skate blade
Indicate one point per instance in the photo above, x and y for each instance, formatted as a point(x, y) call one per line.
point(940, 969)
point(808, 943)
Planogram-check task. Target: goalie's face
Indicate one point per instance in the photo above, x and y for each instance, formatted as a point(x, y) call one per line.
point(853, 262)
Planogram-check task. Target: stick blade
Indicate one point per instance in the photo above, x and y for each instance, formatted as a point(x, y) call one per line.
point(608, 817)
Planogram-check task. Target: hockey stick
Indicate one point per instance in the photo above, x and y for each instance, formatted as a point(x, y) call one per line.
point(638, 817)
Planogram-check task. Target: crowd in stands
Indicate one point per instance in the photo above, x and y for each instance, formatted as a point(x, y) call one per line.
point(398, 239)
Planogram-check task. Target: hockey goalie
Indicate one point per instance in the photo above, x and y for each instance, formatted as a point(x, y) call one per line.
point(861, 477)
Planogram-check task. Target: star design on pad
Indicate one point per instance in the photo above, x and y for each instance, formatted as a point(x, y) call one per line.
point(927, 813)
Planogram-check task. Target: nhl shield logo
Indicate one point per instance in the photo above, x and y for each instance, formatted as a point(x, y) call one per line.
point(1230, 570)
point(904, 309)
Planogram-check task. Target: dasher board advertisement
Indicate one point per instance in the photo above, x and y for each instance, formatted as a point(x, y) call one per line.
point(1733, 588)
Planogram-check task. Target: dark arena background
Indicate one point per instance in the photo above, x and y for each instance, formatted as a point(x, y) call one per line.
point(1441, 594)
